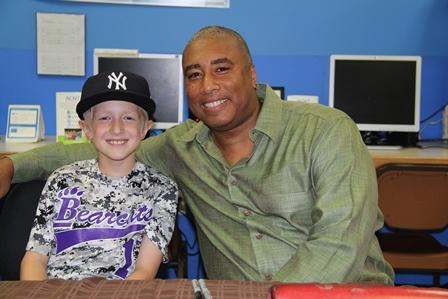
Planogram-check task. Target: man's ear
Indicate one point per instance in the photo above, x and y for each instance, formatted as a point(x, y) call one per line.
point(253, 74)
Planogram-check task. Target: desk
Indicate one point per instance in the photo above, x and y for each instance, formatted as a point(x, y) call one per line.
point(9, 148)
point(410, 155)
point(219, 289)
point(110, 289)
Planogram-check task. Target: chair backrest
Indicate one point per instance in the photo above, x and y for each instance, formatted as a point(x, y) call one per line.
point(187, 229)
point(414, 196)
point(16, 218)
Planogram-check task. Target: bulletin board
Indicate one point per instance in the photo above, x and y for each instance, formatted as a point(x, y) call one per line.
point(188, 3)
point(60, 44)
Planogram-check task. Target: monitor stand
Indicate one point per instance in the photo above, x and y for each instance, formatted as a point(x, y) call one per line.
point(389, 140)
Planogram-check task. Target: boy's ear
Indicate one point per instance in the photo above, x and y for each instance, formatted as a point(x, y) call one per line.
point(85, 128)
point(148, 125)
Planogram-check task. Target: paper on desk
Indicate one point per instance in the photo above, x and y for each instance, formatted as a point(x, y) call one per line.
point(67, 120)
point(25, 124)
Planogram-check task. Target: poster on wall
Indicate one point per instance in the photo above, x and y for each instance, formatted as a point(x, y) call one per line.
point(60, 44)
point(186, 3)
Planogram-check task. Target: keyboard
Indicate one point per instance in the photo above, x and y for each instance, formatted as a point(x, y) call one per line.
point(426, 143)
point(384, 147)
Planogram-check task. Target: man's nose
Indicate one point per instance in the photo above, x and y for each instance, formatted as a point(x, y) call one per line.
point(209, 84)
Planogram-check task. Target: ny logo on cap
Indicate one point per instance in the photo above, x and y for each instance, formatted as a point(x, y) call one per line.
point(114, 79)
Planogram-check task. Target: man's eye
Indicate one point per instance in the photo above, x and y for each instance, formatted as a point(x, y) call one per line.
point(129, 118)
point(194, 75)
point(222, 69)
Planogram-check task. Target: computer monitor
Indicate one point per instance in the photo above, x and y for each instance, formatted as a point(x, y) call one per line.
point(164, 75)
point(380, 93)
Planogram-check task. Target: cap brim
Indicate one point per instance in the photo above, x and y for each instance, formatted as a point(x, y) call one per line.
point(138, 99)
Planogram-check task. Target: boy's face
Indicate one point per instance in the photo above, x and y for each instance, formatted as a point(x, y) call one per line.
point(116, 129)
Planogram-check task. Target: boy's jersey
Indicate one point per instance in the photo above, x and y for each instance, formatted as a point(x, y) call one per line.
point(89, 224)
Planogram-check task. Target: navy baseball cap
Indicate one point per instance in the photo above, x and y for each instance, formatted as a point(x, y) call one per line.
point(115, 86)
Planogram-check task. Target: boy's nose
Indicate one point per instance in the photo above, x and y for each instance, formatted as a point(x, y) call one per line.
point(117, 126)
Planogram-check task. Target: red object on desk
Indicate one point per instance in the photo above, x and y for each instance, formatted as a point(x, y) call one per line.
point(349, 291)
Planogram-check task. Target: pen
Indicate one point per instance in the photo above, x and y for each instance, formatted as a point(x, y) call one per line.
point(205, 292)
point(197, 289)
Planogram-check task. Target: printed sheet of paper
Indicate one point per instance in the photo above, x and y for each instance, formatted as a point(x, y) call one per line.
point(67, 120)
point(25, 123)
point(60, 44)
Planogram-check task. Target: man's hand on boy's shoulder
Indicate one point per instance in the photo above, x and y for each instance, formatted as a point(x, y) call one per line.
point(6, 173)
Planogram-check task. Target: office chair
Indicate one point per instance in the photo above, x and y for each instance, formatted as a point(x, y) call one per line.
point(185, 259)
point(16, 219)
point(17, 212)
point(414, 201)
point(194, 267)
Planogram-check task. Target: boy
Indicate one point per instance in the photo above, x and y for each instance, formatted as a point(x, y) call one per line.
point(110, 217)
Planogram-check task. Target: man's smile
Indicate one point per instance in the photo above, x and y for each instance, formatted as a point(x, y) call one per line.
point(214, 104)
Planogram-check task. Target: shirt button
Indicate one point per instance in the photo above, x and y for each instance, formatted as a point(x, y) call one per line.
point(247, 213)
point(259, 236)
point(268, 277)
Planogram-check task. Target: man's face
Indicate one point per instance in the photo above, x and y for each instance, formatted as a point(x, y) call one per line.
point(220, 83)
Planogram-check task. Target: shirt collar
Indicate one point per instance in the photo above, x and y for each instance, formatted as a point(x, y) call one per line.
point(269, 119)
point(199, 130)
point(267, 123)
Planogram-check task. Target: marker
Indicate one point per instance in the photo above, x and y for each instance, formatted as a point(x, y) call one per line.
point(205, 292)
point(197, 289)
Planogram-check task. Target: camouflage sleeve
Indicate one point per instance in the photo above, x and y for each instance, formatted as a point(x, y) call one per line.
point(42, 238)
point(160, 229)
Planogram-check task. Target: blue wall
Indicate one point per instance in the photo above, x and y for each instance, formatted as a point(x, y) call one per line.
point(290, 40)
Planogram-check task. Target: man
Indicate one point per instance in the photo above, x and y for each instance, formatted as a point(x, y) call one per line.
point(279, 191)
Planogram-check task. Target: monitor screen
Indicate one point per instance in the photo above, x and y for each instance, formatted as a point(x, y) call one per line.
point(164, 75)
point(380, 93)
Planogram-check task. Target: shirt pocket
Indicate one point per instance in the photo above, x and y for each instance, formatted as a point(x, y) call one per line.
point(288, 196)
point(287, 205)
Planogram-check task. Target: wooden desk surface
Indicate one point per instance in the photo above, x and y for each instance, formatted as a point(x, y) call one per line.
point(9, 148)
point(219, 289)
point(410, 155)
point(109, 289)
